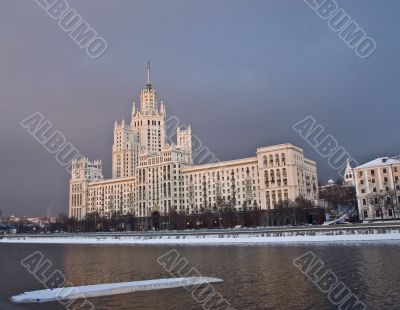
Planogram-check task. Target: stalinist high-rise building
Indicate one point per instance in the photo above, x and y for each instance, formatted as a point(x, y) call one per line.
point(151, 174)
point(144, 134)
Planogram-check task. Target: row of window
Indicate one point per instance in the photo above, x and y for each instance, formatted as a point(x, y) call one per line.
point(274, 160)
point(377, 200)
point(377, 213)
point(372, 171)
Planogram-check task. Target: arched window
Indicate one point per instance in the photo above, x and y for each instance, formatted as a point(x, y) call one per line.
point(266, 179)
point(265, 161)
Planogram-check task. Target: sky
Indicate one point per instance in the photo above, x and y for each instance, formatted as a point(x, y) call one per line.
point(242, 73)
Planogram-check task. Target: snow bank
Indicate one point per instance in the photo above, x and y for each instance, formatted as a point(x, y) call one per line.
point(206, 239)
point(108, 289)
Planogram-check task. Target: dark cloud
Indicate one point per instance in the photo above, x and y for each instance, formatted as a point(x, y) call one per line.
point(241, 72)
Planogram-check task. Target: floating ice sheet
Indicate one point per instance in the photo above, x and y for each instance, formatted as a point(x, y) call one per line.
point(108, 289)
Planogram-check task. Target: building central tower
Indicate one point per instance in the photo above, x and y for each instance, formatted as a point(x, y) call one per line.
point(149, 122)
point(145, 134)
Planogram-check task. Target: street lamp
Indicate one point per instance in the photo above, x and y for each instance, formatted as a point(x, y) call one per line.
point(169, 217)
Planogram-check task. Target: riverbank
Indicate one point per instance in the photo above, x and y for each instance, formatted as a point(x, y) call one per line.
point(222, 237)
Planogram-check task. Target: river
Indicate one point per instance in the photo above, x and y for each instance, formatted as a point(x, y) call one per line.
point(255, 277)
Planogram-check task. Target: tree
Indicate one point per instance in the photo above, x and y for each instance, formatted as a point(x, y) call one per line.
point(378, 199)
point(340, 198)
point(301, 202)
point(394, 203)
point(284, 207)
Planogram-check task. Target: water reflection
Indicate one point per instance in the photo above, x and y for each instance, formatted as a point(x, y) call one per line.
point(255, 277)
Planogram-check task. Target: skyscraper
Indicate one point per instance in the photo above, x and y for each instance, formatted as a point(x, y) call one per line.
point(151, 174)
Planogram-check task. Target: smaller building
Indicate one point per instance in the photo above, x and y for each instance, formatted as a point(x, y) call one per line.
point(378, 188)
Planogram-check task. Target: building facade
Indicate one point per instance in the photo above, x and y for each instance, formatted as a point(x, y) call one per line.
point(378, 188)
point(150, 175)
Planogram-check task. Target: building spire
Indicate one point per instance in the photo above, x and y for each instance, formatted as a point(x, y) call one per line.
point(148, 82)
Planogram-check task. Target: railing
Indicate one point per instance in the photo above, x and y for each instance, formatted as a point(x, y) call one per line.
point(221, 233)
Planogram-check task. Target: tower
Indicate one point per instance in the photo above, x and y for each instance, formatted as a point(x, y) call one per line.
point(123, 151)
point(184, 140)
point(148, 95)
point(349, 175)
point(82, 173)
point(146, 132)
point(148, 123)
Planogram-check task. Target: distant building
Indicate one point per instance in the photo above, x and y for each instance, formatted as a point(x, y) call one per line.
point(349, 178)
point(378, 188)
point(149, 175)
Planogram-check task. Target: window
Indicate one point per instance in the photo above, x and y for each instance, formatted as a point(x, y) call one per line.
point(377, 213)
point(384, 170)
point(365, 214)
point(372, 172)
point(390, 212)
point(364, 202)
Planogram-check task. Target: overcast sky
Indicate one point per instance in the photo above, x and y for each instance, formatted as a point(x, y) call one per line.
point(240, 72)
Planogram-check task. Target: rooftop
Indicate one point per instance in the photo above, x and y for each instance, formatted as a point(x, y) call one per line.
point(383, 161)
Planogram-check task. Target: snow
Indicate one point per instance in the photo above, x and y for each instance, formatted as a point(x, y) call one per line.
point(213, 239)
point(66, 293)
point(384, 161)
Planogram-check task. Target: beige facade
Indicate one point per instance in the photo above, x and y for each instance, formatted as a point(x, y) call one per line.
point(84, 173)
point(378, 188)
point(148, 174)
point(287, 174)
point(234, 182)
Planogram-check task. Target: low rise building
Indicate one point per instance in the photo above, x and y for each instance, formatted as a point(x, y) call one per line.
point(378, 188)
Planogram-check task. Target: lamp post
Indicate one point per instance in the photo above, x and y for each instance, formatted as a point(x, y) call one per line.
point(294, 214)
point(169, 217)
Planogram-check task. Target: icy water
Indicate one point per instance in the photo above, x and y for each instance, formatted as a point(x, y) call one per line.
point(255, 277)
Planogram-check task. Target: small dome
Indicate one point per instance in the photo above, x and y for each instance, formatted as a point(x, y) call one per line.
point(331, 182)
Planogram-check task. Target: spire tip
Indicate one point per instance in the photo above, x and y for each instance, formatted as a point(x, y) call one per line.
point(148, 73)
